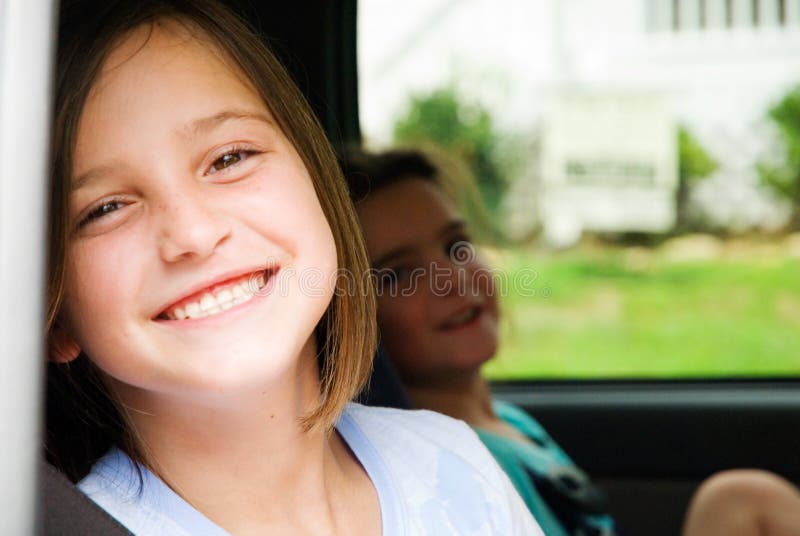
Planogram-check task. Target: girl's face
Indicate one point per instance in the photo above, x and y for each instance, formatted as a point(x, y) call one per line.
point(199, 256)
point(437, 310)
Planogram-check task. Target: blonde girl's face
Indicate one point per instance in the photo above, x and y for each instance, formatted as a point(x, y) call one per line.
point(199, 257)
point(437, 308)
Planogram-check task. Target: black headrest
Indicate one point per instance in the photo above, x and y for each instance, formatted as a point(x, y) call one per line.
point(384, 388)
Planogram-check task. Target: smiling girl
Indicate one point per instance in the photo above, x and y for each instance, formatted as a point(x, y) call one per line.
point(200, 345)
point(438, 336)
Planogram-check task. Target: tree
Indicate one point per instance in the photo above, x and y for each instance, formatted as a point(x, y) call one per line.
point(694, 164)
point(782, 174)
point(464, 129)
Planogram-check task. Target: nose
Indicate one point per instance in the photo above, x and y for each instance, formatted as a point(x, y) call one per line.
point(190, 226)
point(448, 277)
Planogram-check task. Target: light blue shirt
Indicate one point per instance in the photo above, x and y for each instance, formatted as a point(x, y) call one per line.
point(432, 475)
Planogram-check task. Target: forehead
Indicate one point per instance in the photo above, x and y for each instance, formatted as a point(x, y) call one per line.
point(161, 48)
point(404, 214)
point(160, 76)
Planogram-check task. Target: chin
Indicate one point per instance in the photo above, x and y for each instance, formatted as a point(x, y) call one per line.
point(481, 359)
point(474, 351)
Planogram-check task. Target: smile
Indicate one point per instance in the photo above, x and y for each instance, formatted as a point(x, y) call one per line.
point(462, 319)
point(219, 298)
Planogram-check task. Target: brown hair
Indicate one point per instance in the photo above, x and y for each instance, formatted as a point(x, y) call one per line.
point(345, 335)
point(367, 172)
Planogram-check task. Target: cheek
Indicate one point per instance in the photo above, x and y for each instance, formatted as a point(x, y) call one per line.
point(289, 216)
point(94, 278)
point(483, 282)
point(489, 290)
point(103, 282)
point(283, 206)
point(402, 314)
point(404, 326)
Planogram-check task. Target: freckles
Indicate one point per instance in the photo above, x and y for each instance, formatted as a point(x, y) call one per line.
point(93, 274)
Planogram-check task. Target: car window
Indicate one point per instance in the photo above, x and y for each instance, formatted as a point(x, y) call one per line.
point(640, 158)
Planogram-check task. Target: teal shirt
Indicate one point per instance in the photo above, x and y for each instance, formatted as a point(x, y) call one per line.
point(558, 494)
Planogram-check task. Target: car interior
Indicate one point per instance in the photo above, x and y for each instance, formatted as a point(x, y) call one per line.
point(647, 443)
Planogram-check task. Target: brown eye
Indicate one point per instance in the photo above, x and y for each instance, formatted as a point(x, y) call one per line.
point(226, 160)
point(233, 158)
point(102, 210)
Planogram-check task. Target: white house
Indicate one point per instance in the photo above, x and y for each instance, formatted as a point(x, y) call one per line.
point(721, 63)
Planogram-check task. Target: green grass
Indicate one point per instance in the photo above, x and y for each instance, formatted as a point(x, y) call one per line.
point(603, 314)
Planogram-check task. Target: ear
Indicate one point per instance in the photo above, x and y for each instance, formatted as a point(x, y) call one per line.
point(62, 347)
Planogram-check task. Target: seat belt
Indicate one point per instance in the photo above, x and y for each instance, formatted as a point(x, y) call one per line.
point(66, 511)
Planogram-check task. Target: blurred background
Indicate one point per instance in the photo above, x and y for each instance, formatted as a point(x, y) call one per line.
point(639, 163)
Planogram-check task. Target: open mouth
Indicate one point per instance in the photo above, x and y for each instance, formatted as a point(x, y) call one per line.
point(463, 318)
point(220, 297)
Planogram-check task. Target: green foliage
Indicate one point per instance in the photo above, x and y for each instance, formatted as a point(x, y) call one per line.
point(783, 174)
point(463, 129)
point(694, 163)
point(603, 314)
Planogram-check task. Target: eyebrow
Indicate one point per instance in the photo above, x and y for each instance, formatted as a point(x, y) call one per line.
point(205, 124)
point(191, 130)
point(90, 175)
point(402, 251)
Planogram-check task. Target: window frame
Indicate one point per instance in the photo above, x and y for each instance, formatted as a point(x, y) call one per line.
point(26, 56)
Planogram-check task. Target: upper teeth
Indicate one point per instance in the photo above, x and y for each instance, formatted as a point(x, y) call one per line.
point(214, 302)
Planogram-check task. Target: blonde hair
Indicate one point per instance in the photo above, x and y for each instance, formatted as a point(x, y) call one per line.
point(346, 334)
